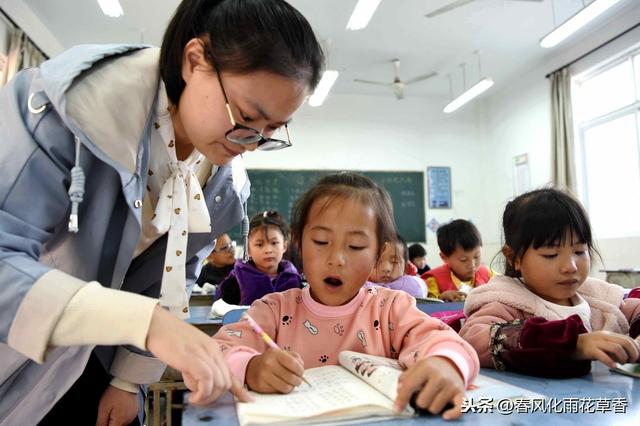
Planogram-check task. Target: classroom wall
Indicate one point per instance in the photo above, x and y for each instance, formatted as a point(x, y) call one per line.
point(518, 121)
point(356, 132)
point(479, 142)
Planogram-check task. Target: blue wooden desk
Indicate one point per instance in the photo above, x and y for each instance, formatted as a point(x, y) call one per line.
point(600, 383)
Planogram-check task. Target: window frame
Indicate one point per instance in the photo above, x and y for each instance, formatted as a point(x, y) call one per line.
point(581, 127)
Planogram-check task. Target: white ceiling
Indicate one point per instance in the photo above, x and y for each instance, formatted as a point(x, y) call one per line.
point(505, 31)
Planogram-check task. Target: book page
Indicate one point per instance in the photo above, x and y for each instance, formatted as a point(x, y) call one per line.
point(379, 372)
point(632, 370)
point(333, 390)
point(383, 373)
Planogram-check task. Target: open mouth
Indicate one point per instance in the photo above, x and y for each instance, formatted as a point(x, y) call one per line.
point(335, 282)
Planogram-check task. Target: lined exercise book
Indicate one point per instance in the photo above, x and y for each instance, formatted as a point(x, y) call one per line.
point(362, 387)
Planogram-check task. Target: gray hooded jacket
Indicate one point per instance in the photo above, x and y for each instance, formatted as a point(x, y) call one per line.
point(102, 97)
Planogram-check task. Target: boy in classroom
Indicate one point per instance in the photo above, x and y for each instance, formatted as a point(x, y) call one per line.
point(219, 262)
point(461, 251)
point(390, 270)
point(418, 256)
point(546, 316)
point(267, 271)
point(340, 225)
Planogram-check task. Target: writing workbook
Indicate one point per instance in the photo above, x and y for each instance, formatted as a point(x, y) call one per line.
point(363, 387)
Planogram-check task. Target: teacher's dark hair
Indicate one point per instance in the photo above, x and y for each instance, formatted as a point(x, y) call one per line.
point(243, 36)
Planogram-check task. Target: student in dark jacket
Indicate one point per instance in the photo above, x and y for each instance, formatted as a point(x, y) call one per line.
point(418, 256)
point(266, 272)
point(220, 261)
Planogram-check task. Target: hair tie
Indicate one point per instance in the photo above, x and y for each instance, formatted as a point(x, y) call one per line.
point(265, 214)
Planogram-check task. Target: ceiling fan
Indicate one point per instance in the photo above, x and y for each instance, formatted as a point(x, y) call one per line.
point(457, 3)
point(398, 85)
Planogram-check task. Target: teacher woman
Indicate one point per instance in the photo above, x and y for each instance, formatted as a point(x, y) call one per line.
point(120, 165)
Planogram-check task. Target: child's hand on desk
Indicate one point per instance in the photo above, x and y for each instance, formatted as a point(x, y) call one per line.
point(274, 371)
point(437, 382)
point(453, 296)
point(607, 347)
point(196, 355)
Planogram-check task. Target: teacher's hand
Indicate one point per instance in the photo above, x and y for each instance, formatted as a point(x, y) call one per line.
point(196, 355)
point(117, 407)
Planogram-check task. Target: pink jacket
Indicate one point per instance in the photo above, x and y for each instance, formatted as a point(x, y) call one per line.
point(377, 321)
point(505, 299)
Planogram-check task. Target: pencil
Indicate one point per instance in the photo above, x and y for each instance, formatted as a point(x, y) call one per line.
point(268, 340)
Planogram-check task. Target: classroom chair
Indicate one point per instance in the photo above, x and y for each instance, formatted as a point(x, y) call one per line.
point(162, 393)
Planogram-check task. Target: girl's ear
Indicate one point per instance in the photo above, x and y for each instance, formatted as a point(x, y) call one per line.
point(193, 56)
point(286, 245)
point(508, 254)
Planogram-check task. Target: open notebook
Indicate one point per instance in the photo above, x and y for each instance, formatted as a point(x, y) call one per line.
point(362, 387)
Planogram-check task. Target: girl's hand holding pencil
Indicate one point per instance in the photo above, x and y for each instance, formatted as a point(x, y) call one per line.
point(275, 370)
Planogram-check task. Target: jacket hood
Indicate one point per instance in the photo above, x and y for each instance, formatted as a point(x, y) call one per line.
point(101, 103)
point(105, 95)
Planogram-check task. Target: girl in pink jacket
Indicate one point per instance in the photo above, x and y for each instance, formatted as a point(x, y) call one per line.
point(339, 225)
point(546, 317)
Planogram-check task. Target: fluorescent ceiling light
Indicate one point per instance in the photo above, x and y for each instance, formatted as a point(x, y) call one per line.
point(473, 91)
point(328, 78)
point(577, 21)
point(362, 13)
point(111, 8)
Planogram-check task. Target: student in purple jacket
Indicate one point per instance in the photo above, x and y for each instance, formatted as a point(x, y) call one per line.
point(267, 271)
point(390, 270)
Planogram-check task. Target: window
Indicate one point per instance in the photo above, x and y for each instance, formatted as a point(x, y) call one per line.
point(606, 105)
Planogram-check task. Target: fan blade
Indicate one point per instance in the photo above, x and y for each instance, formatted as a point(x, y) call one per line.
point(422, 77)
point(377, 83)
point(537, 1)
point(456, 4)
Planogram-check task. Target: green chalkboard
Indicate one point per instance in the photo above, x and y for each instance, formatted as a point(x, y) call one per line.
point(279, 190)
